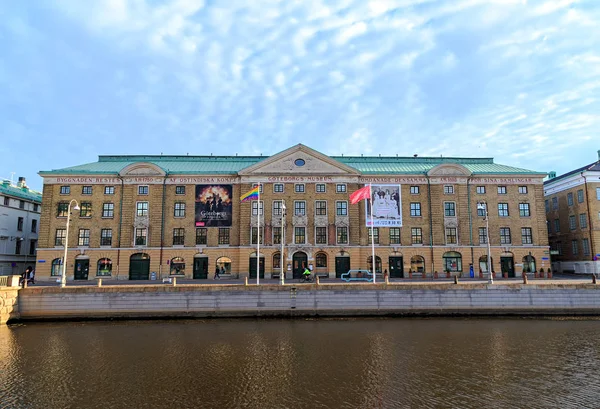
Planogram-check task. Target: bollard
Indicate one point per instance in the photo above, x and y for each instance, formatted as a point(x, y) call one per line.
point(99, 282)
point(246, 281)
point(455, 279)
point(318, 280)
point(387, 280)
point(524, 278)
point(593, 278)
point(174, 281)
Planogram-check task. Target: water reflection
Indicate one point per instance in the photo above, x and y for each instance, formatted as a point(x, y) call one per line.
point(362, 363)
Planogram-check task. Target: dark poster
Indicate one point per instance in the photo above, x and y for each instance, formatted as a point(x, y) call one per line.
point(213, 205)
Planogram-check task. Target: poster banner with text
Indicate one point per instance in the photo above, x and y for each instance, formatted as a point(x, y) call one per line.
point(387, 206)
point(213, 205)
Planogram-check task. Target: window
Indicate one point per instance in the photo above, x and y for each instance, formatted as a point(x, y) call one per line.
point(20, 224)
point(32, 246)
point(299, 188)
point(524, 210)
point(180, 190)
point(449, 209)
point(62, 209)
point(585, 244)
point(278, 188)
point(108, 209)
point(583, 221)
point(416, 235)
point(580, 196)
point(394, 235)
point(59, 237)
point(320, 188)
point(575, 247)
point(277, 208)
point(321, 208)
point(34, 226)
point(523, 190)
point(555, 203)
point(276, 235)
point(179, 210)
point(340, 188)
point(570, 199)
point(503, 209)
point(21, 204)
point(86, 190)
point(106, 237)
point(65, 190)
point(505, 235)
point(201, 236)
point(341, 208)
point(572, 223)
point(109, 190)
point(480, 190)
point(277, 260)
point(451, 235)
point(85, 210)
point(452, 261)
point(223, 236)
point(55, 270)
point(482, 235)
point(18, 247)
point(84, 237)
point(557, 225)
point(414, 190)
point(448, 189)
point(299, 235)
point(260, 185)
point(6, 201)
point(141, 236)
point(375, 231)
point(481, 210)
point(501, 190)
point(321, 235)
point(598, 193)
point(549, 226)
point(142, 209)
point(321, 260)
point(547, 205)
point(104, 267)
point(256, 207)
point(415, 209)
point(178, 236)
point(254, 235)
point(299, 208)
point(526, 237)
point(559, 247)
point(342, 235)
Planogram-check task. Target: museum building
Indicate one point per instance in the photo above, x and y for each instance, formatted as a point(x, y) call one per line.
point(146, 217)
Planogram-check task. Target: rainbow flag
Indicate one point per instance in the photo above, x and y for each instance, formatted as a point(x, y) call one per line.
point(251, 195)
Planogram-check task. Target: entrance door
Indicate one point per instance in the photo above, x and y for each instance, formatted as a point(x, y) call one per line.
point(139, 267)
point(261, 267)
point(396, 267)
point(201, 268)
point(507, 265)
point(82, 269)
point(342, 266)
point(299, 263)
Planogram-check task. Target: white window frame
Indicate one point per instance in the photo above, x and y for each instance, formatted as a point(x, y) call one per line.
point(320, 201)
point(258, 207)
point(347, 234)
point(299, 188)
point(345, 208)
point(480, 190)
point(341, 188)
point(147, 210)
point(299, 227)
point(448, 189)
point(141, 187)
point(326, 234)
point(323, 185)
point(299, 201)
point(453, 209)
point(414, 190)
point(109, 190)
point(523, 190)
point(502, 190)
point(276, 185)
point(276, 210)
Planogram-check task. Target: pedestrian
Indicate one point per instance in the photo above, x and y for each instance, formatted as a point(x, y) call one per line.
point(217, 274)
point(31, 277)
point(222, 271)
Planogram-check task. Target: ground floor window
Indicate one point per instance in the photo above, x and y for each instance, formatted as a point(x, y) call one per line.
point(177, 265)
point(529, 264)
point(377, 264)
point(104, 267)
point(417, 264)
point(452, 261)
point(277, 260)
point(321, 260)
point(56, 269)
point(224, 265)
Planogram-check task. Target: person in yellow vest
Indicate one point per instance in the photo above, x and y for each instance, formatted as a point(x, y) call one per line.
point(306, 274)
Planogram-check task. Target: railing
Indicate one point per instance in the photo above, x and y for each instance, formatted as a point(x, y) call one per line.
point(3, 281)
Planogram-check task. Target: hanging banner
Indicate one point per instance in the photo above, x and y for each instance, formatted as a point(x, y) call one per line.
point(213, 205)
point(387, 206)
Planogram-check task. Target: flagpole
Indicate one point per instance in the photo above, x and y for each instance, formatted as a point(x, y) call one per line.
point(258, 239)
point(372, 237)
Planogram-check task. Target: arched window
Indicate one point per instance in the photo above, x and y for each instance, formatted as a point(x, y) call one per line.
point(104, 267)
point(56, 269)
point(177, 265)
point(377, 264)
point(277, 260)
point(529, 264)
point(483, 264)
point(452, 261)
point(224, 263)
point(417, 264)
point(321, 260)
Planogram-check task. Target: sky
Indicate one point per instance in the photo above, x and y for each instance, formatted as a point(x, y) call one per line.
point(516, 80)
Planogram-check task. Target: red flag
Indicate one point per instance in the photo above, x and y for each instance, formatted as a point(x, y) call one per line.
point(360, 194)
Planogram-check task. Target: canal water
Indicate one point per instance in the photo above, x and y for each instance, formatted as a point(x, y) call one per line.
point(344, 363)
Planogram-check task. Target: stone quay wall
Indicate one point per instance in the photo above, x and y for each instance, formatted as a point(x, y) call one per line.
point(9, 308)
point(234, 300)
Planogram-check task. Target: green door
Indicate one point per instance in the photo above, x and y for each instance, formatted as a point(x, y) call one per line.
point(342, 266)
point(507, 266)
point(82, 269)
point(201, 268)
point(396, 267)
point(299, 263)
point(253, 267)
point(139, 267)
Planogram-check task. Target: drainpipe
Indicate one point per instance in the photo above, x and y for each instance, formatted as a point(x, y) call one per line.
point(590, 219)
point(120, 225)
point(470, 221)
point(430, 224)
point(162, 224)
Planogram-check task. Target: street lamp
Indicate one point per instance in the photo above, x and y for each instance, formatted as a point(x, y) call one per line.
point(63, 277)
point(483, 206)
point(282, 273)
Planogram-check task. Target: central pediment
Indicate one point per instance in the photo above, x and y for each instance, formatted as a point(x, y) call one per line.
point(299, 160)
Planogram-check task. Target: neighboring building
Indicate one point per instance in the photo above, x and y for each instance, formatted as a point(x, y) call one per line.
point(182, 215)
point(572, 205)
point(19, 224)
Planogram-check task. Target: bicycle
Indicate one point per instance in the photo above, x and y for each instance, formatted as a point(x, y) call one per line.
point(306, 279)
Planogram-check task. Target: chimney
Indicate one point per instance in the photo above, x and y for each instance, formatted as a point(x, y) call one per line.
point(599, 155)
point(21, 182)
point(551, 174)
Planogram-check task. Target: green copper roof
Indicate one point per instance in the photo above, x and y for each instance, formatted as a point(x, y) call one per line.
point(230, 165)
point(23, 193)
